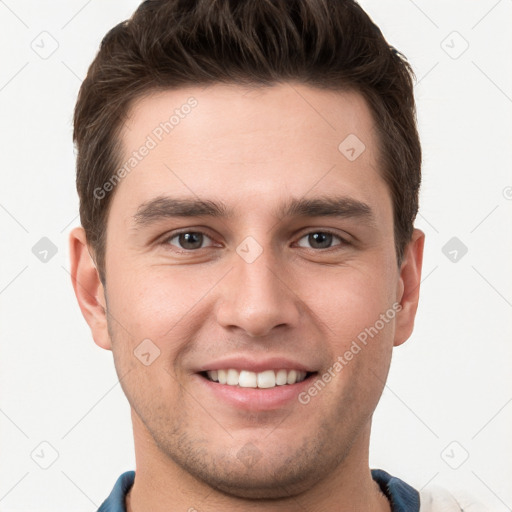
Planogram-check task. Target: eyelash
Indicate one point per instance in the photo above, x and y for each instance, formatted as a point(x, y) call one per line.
point(166, 241)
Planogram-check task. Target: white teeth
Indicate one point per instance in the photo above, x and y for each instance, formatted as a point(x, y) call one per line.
point(265, 379)
point(247, 379)
point(292, 377)
point(232, 378)
point(281, 377)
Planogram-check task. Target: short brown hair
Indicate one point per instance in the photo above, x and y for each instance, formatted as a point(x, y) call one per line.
point(168, 44)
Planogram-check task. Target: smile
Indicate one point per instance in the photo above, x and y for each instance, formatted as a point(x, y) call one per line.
point(247, 379)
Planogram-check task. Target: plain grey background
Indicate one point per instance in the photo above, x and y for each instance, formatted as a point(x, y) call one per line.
point(446, 414)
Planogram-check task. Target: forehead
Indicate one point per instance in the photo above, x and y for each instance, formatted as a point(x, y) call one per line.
point(249, 146)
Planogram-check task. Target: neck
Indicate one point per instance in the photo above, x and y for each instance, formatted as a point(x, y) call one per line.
point(161, 485)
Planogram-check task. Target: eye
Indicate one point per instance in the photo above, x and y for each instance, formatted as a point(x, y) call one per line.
point(193, 240)
point(321, 239)
point(188, 240)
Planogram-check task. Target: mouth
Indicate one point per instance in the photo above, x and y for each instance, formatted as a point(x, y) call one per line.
point(251, 391)
point(244, 383)
point(266, 379)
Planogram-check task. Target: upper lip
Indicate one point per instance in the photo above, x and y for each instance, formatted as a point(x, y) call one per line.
point(255, 365)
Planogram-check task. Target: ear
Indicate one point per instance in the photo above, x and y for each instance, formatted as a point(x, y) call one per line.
point(408, 288)
point(88, 288)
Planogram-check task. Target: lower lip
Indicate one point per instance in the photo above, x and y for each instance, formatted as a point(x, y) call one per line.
point(256, 399)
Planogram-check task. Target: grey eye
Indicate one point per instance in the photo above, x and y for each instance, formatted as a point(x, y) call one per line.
point(189, 240)
point(320, 239)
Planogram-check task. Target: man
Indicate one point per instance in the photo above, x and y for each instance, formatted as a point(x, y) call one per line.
point(248, 175)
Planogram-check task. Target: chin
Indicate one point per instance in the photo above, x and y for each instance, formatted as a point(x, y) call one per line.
point(271, 470)
point(258, 483)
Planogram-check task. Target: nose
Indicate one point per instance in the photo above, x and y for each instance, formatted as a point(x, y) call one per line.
point(258, 296)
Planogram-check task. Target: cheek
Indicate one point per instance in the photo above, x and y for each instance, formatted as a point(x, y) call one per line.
point(153, 302)
point(356, 310)
point(349, 302)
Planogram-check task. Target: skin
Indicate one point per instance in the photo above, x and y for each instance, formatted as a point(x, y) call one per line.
point(253, 149)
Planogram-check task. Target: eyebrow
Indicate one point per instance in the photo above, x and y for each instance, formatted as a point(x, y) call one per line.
point(164, 207)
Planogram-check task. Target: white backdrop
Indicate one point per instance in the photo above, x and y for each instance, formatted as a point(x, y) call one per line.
point(446, 414)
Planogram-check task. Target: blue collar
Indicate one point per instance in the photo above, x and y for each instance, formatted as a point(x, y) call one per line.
point(403, 497)
point(115, 502)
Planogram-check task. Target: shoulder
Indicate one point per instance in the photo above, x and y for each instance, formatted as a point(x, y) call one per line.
point(116, 500)
point(438, 499)
point(403, 497)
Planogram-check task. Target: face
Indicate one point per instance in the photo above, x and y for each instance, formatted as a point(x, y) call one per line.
point(247, 244)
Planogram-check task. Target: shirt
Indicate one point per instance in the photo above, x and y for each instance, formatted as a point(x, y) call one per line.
point(403, 497)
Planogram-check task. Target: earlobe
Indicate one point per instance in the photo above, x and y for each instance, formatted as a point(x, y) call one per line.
point(88, 288)
point(408, 288)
